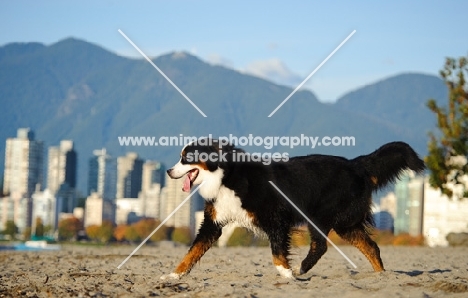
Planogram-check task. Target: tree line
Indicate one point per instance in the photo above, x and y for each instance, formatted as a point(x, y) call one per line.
point(107, 232)
point(71, 229)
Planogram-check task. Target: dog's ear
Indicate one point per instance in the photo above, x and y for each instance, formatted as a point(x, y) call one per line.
point(216, 145)
point(224, 148)
point(228, 148)
point(225, 153)
point(231, 153)
point(212, 165)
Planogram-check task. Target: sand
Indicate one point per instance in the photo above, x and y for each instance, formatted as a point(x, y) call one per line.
point(231, 272)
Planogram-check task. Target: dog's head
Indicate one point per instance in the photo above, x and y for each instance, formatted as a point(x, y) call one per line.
point(202, 160)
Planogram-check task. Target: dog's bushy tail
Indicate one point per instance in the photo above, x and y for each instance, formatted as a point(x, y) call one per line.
point(385, 164)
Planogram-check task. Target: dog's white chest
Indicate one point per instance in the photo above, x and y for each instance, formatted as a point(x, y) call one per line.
point(228, 209)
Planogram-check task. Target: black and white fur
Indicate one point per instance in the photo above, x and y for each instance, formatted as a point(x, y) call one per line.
point(334, 192)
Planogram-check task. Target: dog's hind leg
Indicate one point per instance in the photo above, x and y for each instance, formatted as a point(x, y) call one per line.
point(318, 247)
point(360, 238)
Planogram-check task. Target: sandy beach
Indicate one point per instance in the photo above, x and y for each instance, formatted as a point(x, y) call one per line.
point(81, 271)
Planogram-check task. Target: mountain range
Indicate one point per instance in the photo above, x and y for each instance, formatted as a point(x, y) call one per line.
point(76, 90)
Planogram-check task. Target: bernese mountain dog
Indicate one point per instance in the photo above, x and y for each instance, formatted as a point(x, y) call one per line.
point(333, 192)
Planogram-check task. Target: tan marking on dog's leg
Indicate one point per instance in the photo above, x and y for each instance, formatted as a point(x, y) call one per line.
point(192, 257)
point(281, 261)
point(367, 246)
point(282, 265)
point(210, 211)
point(374, 180)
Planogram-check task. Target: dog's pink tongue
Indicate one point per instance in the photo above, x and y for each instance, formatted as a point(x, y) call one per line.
point(186, 186)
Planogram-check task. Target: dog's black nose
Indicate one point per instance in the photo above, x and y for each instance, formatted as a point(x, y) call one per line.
point(169, 171)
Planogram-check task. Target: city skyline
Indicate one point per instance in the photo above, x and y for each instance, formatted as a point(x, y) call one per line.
point(117, 190)
point(413, 207)
point(56, 168)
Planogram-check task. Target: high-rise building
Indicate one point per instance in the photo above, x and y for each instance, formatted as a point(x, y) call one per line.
point(61, 174)
point(129, 175)
point(16, 208)
point(147, 205)
point(61, 166)
point(98, 210)
point(153, 173)
point(385, 212)
point(383, 219)
point(423, 210)
point(151, 201)
point(171, 196)
point(102, 177)
point(47, 207)
point(443, 215)
point(388, 203)
point(23, 163)
point(409, 192)
point(151, 188)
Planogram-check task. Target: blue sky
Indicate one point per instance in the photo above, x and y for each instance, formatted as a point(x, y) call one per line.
point(280, 41)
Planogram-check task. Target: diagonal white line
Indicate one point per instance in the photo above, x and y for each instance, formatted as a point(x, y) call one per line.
point(160, 225)
point(312, 223)
point(162, 73)
point(312, 73)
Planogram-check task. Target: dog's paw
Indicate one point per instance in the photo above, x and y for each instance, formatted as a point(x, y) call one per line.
point(285, 273)
point(297, 271)
point(170, 276)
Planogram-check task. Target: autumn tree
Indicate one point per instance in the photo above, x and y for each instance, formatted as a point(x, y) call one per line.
point(119, 232)
point(240, 237)
point(131, 234)
point(146, 226)
point(26, 233)
point(160, 234)
point(39, 231)
point(102, 233)
point(10, 229)
point(448, 148)
point(48, 229)
point(106, 231)
point(182, 235)
point(92, 232)
point(68, 228)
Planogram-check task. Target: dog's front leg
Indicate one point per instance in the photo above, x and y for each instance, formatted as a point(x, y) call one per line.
point(280, 242)
point(209, 232)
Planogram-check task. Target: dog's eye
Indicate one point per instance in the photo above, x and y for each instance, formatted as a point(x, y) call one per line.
point(183, 158)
